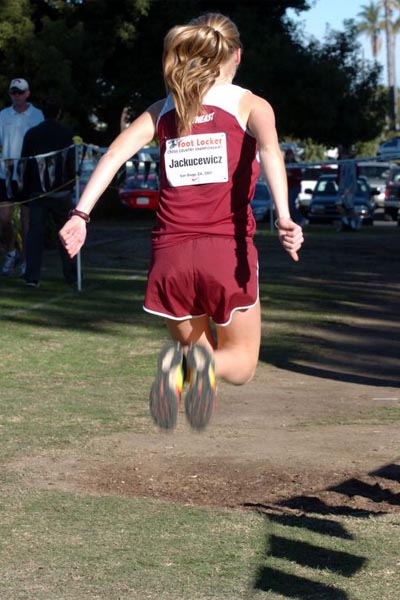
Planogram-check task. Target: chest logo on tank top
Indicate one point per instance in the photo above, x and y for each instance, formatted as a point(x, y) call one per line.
point(196, 159)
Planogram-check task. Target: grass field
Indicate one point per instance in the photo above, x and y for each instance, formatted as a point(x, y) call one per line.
point(77, 367)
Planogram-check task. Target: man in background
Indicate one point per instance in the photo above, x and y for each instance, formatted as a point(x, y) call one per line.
point(15, 121)
point(49, 181)
point(347, 182)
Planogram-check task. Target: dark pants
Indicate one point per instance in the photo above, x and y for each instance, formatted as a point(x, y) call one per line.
point(39, 211)
point(294, 211)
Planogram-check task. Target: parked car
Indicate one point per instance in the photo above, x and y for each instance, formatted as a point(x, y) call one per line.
point(390, 148)
point(392, 193)
point(139, 191)
point(325, 205)
point(376, 173)
point(262, 202)
point(309, 180)
point(147, 158)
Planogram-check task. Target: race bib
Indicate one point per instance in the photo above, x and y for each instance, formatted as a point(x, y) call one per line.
point(196, 159)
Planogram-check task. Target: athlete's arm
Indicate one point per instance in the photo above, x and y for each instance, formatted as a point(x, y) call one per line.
point(261, 123)
point(134, 137)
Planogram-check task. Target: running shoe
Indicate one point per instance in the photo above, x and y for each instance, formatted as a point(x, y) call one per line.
point(201, 396)
point(165, 394)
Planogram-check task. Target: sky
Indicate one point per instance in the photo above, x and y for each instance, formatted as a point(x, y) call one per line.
point(334, 12)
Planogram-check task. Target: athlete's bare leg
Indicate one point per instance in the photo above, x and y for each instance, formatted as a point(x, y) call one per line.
point(238, 346)
point(192, 331)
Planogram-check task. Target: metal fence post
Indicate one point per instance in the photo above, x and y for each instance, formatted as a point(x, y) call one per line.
point(78, 148)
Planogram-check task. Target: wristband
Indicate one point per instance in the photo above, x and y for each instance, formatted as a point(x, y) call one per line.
point(79, 213)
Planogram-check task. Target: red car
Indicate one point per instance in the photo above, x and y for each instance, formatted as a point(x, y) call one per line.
point(140, 191)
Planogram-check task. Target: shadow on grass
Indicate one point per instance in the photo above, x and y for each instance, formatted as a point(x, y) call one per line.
point(334, 315)
point(382, 375)
point(326, 527)
point(293, 586)
point(316, 556)
point(305, 555)
point(104, 300)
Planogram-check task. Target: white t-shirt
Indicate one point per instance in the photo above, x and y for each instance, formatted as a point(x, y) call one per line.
point(13, 126)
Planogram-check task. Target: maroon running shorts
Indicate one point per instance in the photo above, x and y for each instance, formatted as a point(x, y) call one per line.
point(210, 275)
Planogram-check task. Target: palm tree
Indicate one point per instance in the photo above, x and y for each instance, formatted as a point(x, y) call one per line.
point(375, 17)
point(388, 7)
point(396, 31)
point(371, 25)
point(396, 22)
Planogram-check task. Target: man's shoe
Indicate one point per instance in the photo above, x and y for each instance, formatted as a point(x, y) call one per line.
point(9, 263)
point(32, 283)
point(201, 396)
point(165, 394)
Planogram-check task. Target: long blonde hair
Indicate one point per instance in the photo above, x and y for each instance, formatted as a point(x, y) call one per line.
point(192, 58)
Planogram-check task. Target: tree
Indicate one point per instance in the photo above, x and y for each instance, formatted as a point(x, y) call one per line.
point(322, 91)
point(15, 27)
point(68, 48)
point(102, 57)
point(390, 58)
point(396, 31)
point(370, 24)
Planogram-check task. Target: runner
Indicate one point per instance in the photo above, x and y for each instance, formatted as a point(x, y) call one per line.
point(203, 276)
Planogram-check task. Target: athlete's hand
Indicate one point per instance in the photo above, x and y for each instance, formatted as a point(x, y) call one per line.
point(73, 235)
point(290, 236)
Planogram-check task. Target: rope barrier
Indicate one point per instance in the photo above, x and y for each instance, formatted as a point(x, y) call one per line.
point(13, 169)
point(44, 195)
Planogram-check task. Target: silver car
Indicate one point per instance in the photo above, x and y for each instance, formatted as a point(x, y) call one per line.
point(390, 149)
point(376, 173)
